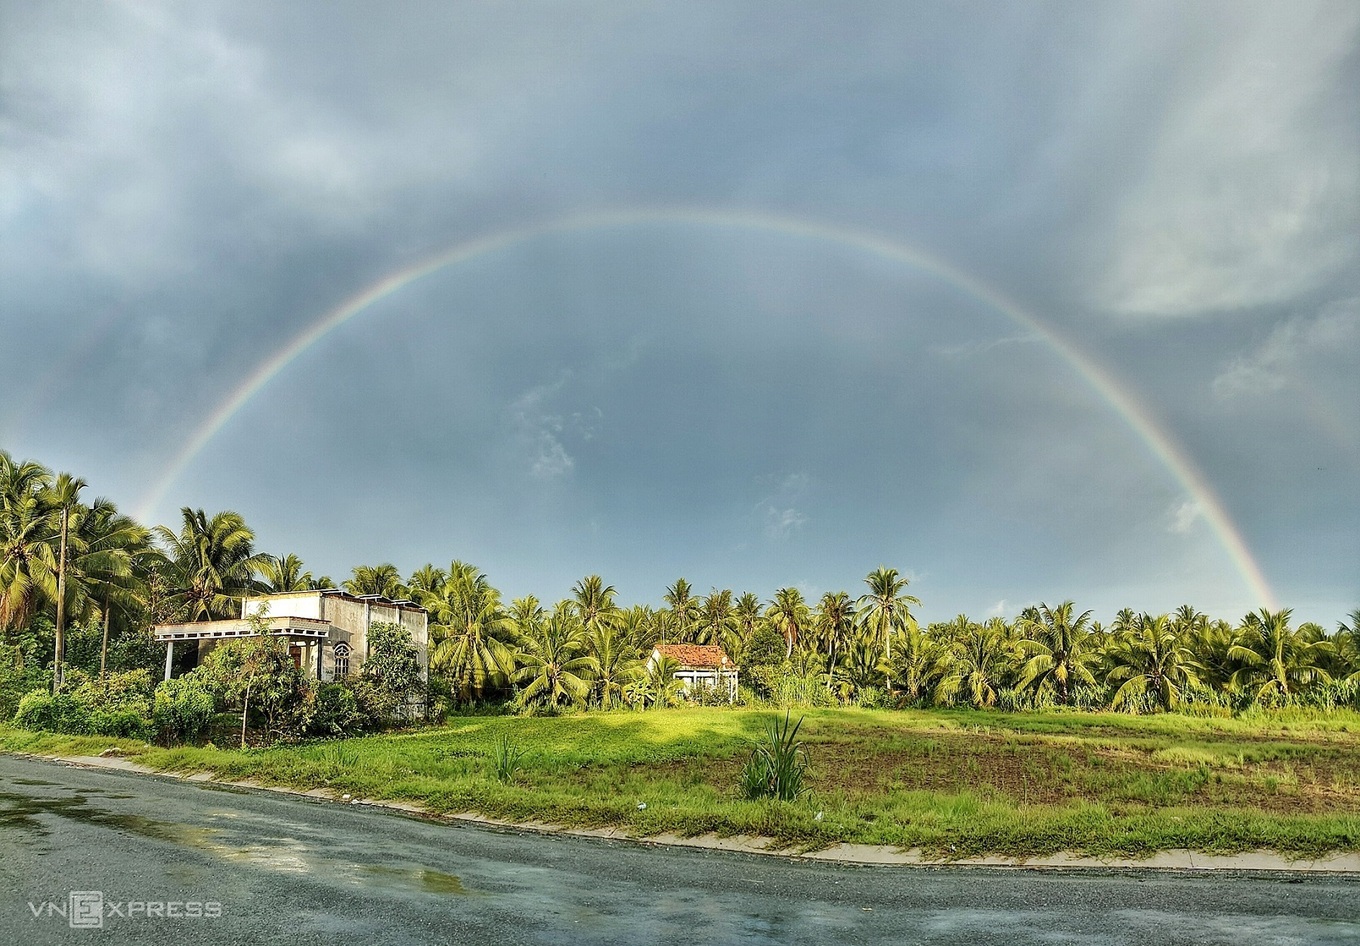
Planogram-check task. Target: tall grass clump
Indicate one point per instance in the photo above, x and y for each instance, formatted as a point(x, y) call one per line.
point(778, 764)
point(506, 759)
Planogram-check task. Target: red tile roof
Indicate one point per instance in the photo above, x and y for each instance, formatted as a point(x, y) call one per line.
point(696, 655)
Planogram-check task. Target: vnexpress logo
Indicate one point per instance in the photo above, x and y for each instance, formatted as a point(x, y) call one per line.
point(87, 909)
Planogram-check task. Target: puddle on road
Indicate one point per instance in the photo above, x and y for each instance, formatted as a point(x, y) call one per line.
point(31, 781)
point(243, 839)
point(22, 811)
point(429, 881)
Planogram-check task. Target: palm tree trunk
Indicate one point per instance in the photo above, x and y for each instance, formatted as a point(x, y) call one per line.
point(104, 646)
point(59, 647)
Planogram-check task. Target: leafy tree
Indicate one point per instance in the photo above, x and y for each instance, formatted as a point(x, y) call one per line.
point(258, 675)
point(391, 671)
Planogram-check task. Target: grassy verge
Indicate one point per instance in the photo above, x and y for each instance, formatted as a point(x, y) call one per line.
point(954, 783)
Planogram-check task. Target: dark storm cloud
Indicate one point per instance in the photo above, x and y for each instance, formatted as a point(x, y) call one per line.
point(182, 190)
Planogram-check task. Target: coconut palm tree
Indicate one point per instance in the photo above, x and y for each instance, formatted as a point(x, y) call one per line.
point(593, 602)
point(617, 664)
point(834, 621)
point(885, 609)
point(426, 580)
point(748, 612)
point(382, 580)
point(861, 666)
point(110, 562)
point(555, 665)
point(920, 662)
point(1150, 661)
point(285, 573)
point(210, 563)
point(471, 633)
point(64, 497)
point(717, 622)
point(1347, 646)
point(682, 612)
point(789, 615)
point(661, 683)
point(639, 627)
point(1058, 646)
point(981, 656)
point(526, 615)
point(28, 553)
point(1275, 660)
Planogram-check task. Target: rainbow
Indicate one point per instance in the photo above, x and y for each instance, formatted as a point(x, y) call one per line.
point(1162, 445)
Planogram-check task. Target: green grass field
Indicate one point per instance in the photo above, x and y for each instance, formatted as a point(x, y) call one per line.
point(953, 783)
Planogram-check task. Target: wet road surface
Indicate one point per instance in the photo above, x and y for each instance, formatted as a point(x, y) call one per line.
point(159, 860)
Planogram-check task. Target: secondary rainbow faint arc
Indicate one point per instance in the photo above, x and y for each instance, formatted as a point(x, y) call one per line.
point(1159, 441)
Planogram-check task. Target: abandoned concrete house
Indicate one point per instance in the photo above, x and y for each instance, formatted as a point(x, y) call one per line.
point(326, 630)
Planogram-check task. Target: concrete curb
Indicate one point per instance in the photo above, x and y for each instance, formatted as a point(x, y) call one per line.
point(841, 853)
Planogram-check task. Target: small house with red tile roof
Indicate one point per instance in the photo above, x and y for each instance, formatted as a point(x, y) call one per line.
point(699, 665)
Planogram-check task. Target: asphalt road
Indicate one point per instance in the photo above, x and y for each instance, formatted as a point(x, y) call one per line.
point(285, 870)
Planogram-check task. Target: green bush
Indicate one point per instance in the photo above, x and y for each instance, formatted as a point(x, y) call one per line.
point(18, 677)
point(337, 712)
point(124, 723)
point(62, 713)
point(182, 709)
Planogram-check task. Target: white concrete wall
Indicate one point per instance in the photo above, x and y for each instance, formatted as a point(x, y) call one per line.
point(295, 605)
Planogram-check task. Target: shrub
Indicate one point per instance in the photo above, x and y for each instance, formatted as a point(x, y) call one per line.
point(125, 723)
point(62, 713)
point(17, 677)
point(182, 709)
point(337, 712)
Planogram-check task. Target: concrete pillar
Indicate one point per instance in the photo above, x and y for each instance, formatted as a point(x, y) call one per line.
point(169, 657)
point(320, 649)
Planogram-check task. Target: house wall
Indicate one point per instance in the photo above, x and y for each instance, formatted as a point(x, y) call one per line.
point(351, 619)
point(302, 604)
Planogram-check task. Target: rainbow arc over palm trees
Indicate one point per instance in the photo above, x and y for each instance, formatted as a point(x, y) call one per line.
point(1160, 442)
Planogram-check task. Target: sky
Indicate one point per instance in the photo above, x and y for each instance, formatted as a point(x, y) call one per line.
point(1030, 301)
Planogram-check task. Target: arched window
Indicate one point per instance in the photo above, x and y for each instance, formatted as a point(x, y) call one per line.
point(341, 650)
